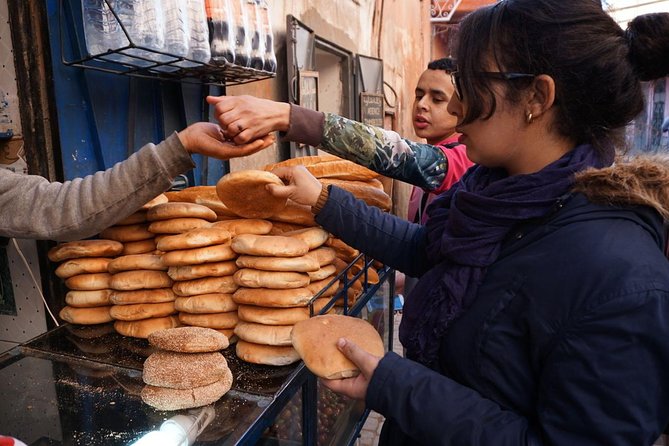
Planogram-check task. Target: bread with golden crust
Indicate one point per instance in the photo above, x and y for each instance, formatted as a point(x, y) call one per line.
point(164, 398)
point(315, 340)
point(189, 340)
point(85, 248)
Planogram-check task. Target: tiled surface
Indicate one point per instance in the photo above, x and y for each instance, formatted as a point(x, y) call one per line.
point(369, 435)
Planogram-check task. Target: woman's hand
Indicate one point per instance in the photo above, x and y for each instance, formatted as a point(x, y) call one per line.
point(355, 387)
point(247, 118)
point(300, 185)
point(208, 139)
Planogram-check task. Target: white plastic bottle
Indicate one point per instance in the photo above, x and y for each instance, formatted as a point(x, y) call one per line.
point(177, 31)
point(147, 30)
point(101, 29)
point(198, 45)
point(270, 55)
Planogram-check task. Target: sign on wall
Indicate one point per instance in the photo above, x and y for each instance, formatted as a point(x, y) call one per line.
point(371, 109)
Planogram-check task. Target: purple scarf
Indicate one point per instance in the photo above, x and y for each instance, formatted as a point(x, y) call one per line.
point(465, 232)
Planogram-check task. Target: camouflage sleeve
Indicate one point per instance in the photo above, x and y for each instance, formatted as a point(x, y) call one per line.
point(385, 152)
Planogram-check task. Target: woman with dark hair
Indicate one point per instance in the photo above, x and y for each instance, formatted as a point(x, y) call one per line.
point(541, 316)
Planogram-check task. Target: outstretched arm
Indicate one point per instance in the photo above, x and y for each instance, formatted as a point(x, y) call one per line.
point(33, 207)
point(245, 118)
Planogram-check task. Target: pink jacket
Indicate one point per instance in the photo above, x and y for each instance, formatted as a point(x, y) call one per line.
point(458, 163)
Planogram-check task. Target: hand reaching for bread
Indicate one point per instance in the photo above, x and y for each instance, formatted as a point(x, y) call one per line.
point(209, 139)
point(300, 185)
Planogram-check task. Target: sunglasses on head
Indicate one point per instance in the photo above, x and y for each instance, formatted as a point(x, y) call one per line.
point(455, 78)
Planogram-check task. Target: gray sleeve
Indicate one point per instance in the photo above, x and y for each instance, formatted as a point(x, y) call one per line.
point(32, 207)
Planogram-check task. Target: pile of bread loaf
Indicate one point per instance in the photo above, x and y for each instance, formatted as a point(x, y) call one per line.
point(279, 277)
point(187, 370)
point(188, 258)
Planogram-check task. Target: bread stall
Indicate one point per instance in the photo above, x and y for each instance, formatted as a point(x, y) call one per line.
point(81, 382)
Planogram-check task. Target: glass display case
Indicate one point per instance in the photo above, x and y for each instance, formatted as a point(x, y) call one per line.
point(80, 385)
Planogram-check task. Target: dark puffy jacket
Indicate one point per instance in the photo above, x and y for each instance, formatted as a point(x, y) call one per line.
point(567, 342)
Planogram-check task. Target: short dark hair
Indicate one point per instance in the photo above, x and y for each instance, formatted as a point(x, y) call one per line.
point(596, 66)
point(446, 63)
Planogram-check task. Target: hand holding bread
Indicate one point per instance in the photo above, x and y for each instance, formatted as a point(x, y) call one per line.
point(300, 185)
point(355, 387)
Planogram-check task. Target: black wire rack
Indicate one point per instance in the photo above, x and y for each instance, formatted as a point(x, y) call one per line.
point(138, 61)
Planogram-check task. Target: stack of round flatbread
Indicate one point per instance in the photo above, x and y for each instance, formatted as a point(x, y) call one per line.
point(142, 296)
point(187, 370)
point(83, 267)
point(278, 278)
point(133, 231)
point(201, 264)
point(178, 217)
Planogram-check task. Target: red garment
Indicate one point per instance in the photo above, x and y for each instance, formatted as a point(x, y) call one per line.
point(458, 163)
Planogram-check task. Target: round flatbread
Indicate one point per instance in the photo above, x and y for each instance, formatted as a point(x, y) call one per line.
point(266, 354)
point(177, 225)
point(139, 247)
point(135, 262)
point(269, 245)
point(263, 334)
point(315, 339)
point(189, 340)
point(86, 316)
point(213, 269)
point(85, 248)
point(196, 256)
point(245, 226)
point(153, 296)
point(245, 193)
point(205, 285)
point(256, 278)
point(206, 303)
point(196, 238)
point(167, 211)
point(211, 320)
point(305, 263)
point(164, 398)
point(95, 281)
point(144, 327)
point(87, 299)
point(84, 265)
point(278, 316)
point(139, 280)
point(314, 237)
point(136, 312)
point(178, 370)
point(265, 297)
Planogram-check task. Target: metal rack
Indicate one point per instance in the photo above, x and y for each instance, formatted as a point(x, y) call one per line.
point(121, 61)
point(82, 384)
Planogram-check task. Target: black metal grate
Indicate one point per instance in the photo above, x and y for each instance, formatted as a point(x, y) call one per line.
point(172, 69)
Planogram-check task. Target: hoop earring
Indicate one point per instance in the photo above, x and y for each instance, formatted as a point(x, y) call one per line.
point(529, 118)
